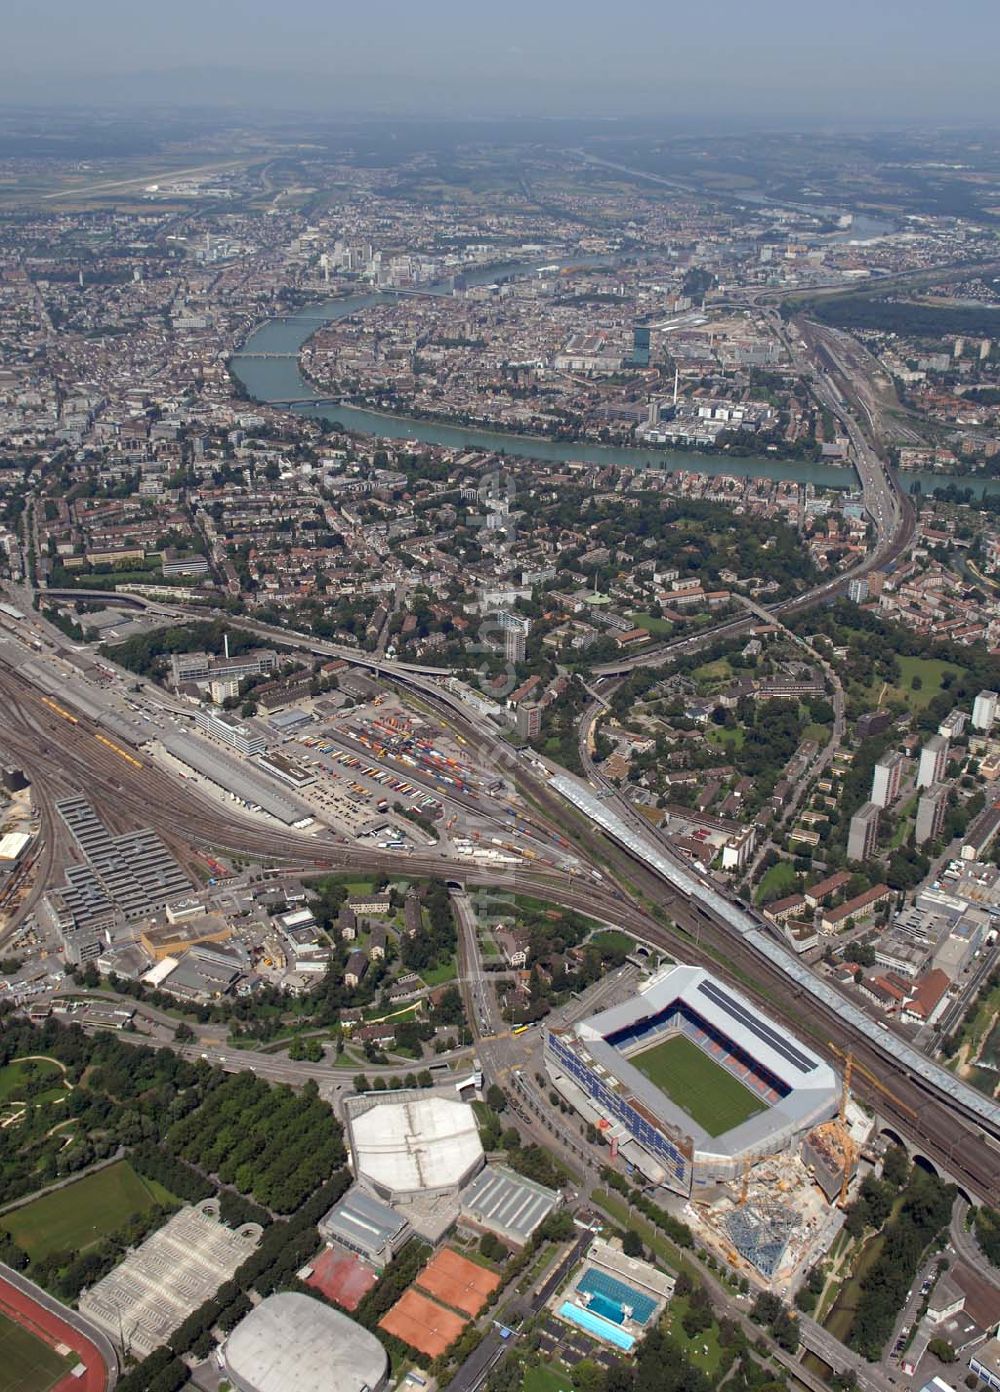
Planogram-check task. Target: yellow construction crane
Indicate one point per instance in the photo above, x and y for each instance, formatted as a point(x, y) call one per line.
point(745, 1186)
point(846, 1140)
point(875, 1082)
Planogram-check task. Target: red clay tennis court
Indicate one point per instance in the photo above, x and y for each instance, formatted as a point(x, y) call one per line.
point(423, 1325)
point(341, 1277)
point(458, 1282)
point(45, 1325)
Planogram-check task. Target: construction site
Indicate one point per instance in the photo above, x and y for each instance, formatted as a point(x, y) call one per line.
point(785, 1212)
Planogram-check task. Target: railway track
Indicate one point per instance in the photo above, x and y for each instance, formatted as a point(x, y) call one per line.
point(63, 756)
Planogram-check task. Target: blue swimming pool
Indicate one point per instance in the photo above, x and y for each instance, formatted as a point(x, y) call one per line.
point(594, 1324)
point(610, 1296)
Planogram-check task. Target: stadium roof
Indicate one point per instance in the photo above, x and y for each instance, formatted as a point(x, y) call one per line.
point(812, 1082)
point(415, 1143)
point(293, 1343)
point(751, 929)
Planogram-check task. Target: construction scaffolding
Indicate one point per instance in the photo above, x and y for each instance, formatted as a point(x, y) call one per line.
point(760, 1231)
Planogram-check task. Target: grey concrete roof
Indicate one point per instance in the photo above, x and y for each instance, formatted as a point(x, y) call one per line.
point(363, 1222)
point(293, 1343)
point(498, 1198)
point(245, 780)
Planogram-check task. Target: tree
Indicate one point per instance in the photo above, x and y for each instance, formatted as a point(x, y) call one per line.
point(183, 1034)
point(942, 1350)
point(632, 1244)
point(496, 1098)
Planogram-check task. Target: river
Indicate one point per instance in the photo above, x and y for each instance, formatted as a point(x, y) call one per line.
point(278, 380)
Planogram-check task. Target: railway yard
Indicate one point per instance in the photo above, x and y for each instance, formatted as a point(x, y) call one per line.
point(64, 752)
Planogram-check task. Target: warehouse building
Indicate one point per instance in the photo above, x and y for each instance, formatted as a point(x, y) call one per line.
point(238, 780)
point(506, 1204)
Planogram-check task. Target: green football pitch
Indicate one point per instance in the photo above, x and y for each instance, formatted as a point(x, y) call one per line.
point(26, 1364)
point(712, 1098)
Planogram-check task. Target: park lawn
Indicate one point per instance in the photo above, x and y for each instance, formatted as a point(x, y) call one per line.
point(437, 976)
point(930, 670)
point(905, 826)
point(777, 881)
point(731, 738)
point(666, 1252)
point(704, 1350)
point(711, 1097)
point(544, 1377)
point(719, 670)
point(819, 734)
point(355, 888)
point(26, 1363)
point(659, 628)
point(74, 1218)
point(12, 1077)
point(613, 940)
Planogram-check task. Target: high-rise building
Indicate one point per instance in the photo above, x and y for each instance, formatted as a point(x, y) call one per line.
point(862, 837)
point(984, 710)
point(933, 761)
point(529, 720)
point(514, 643)
point(640, 346)
point(887, 778)
point(931, 811)
point(857, 590)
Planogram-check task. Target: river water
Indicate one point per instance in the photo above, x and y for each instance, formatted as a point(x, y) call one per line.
point(278, 380)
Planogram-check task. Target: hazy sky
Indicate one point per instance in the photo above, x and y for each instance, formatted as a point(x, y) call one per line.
point(887, 59)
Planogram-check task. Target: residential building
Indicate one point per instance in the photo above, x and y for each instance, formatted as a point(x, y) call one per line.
point(529, 720)
point(863, 834)
point(931, 811)
point(887, 779)
point(980, 834)
point(984, 710)
point(933, 762)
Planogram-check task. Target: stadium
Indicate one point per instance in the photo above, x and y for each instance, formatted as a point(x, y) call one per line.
point(689, 1081)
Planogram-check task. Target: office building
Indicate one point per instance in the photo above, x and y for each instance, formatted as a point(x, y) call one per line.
point(887, 779)
point(640, 346)
point(984, 710)
point(933, 762)
point(230, 731)
point(931, 811)
point(863, 835)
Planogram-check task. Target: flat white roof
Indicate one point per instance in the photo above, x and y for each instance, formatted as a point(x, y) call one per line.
point(12, 844)
point(158, 974)
point(426, 1143)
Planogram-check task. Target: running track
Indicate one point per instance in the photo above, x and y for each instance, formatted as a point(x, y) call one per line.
point(18, 1305)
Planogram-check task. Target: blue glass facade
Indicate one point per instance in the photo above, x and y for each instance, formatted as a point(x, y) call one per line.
point(613, 1104)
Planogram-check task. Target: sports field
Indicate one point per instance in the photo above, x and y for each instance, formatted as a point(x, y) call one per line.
point(711, 1097)
point(26, 1364)
point(72, 1219)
